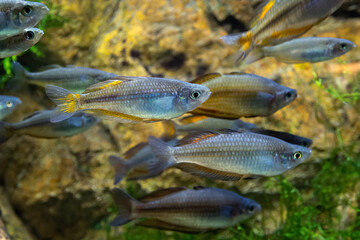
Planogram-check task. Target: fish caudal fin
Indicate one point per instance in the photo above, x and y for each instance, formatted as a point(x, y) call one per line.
point(6, 131)
point(163, 152)
point(255, 55)
point(126, 204)
point(244, 40)
point(120, 168)
point(66, 101)
point(19, 79)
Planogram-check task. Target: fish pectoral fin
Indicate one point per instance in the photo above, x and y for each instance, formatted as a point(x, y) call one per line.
point(102, 85)
point(207, 172)
point(161, 193)
point(154, 223)
point(204, 78)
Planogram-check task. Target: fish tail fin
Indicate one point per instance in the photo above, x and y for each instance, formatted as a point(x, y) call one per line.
point(126, 205)
point(255, 55)
point(19, 79)
point(67, 102)
point(164, 155)
point(244, 40)
point(120, 167)
point(6, 132)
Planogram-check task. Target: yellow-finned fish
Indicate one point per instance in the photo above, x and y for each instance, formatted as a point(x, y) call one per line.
point(281, 20)
point(185, 210)
point(130, 99)
point(238, 95)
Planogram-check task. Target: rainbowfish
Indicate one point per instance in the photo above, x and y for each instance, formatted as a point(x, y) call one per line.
point(312, 49)
point(228, 155)
point(17, 15)
point(238, 95)
point(136, 165)
point(185, 210)
point(7, 105)
point(39, 125)
point(279, 21)
point(20, 43)
point(74, 79)
point(130, 99)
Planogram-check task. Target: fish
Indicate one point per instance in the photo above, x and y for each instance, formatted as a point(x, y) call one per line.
point(17, 15)
point(279, 21)
point(312, 49)
point(198, 123)
point(7, 105)
point(136, 164)
point(38, 125)
point(74, 79)
point(20, 43)
point(237, 95)
point(185, 210)
point(228, 155)
point(130, 99)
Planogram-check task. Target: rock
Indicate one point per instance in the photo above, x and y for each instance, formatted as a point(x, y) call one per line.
point(60, 188)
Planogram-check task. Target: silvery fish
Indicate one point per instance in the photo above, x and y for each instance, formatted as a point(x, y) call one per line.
point(39, 125)
point(136, 165)
point(74, 79)
point(185, 210)
point(16, 15)
point(312, 49)
point(238, 95)
point(228, 155)
point(7, 105)
point(130, 99)
point(279, 21)
point(20, 43)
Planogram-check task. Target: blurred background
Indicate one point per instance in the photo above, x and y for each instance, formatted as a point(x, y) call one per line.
point(60, 189)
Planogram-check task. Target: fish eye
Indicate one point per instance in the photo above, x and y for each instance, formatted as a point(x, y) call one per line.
point(195, 94)
point(251, 209)
point(343, 46)
point(297, 155)
point(9, 104)
point(29, 35)
point(288, 95)
point(26, 11)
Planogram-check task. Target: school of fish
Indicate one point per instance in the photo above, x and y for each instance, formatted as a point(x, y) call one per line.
point(205, 136)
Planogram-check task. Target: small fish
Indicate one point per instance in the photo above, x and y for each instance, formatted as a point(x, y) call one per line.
point(74, 79)
point(185, 210)
point(228, 155)
point(238, 95)
point(136, 165)
point(20, 43)
point(302, 50)
point(17, 15)
point(279, 21)
point(197, 123)
point(130, 99)
point(7, 105)
point(38, 125)
point(287, 137)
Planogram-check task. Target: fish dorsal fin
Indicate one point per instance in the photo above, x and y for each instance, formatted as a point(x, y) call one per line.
point(158, 224)
point(199, 187)
point(134, 150)
point(49, 67)
point(261, 11)
point(161, 193)
point(32, 115)
point(237, 73)
point(191, 119)
point(102, 85)
point(229, 131)
point(205, 78)
point(71, 66)
point(196, 137)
